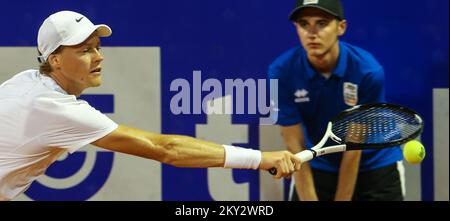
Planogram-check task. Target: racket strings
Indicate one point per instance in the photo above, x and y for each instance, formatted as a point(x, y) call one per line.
point(376, 125)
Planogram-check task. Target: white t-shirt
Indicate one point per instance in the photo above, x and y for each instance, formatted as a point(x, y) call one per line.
point(39, 121)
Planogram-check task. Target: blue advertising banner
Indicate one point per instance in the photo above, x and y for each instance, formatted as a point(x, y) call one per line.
point(229, 40)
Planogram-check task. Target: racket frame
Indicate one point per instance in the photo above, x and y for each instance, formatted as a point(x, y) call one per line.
point(319, 150)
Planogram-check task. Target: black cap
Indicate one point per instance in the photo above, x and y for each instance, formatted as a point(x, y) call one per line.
point(333, 7)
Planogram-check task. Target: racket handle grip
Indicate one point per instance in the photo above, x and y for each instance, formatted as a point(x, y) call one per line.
point(304, 156)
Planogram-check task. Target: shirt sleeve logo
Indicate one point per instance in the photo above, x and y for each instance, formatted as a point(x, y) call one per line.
point(350, 94)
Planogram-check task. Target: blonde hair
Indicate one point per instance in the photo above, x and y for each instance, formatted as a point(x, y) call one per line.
point(46, 68)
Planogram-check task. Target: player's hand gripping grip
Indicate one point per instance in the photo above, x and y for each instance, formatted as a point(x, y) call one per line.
point(304, 156)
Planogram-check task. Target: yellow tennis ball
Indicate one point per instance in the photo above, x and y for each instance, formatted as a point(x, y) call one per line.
point(413, 152)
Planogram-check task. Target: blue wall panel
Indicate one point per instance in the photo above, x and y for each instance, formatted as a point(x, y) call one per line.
point(239, 39)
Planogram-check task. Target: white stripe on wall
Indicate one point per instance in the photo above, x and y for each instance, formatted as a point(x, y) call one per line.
point(441, 146)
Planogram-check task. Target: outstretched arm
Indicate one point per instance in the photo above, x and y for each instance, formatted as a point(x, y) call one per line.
point(185, 151)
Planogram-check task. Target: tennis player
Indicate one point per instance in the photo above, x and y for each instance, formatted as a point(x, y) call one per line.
point(41, 117)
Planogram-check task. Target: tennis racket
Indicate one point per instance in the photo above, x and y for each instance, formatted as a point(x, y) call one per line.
point(368, 126)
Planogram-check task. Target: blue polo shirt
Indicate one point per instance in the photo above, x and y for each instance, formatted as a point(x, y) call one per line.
point(308, 98)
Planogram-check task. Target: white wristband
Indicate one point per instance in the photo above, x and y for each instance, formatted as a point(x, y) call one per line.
point(237, 157)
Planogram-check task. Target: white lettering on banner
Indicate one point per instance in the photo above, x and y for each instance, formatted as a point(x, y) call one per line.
point(220, 129)
point(270, 139)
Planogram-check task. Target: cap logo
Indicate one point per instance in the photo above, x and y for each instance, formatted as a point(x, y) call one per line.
point(309, 2)
point(78, 20)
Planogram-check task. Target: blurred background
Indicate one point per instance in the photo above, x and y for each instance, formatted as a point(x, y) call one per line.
point(155, 42)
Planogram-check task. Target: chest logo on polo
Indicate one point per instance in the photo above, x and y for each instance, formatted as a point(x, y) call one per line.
point(301, 96)
point(350, 94)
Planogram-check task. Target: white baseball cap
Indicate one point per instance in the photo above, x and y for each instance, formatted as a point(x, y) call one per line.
point(66, 28)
